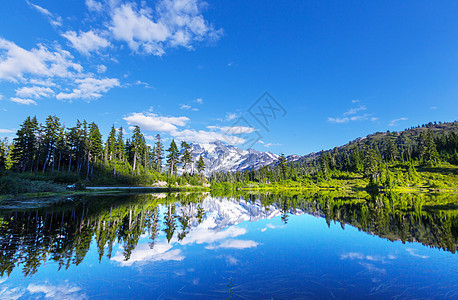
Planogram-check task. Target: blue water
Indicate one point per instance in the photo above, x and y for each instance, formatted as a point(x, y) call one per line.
point(240, 250)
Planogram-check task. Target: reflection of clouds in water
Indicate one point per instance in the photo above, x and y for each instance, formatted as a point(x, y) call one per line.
point(368, 261)
point(413, 252)
point(143, 253)
point(362, 256)
point(60, 291)
point(204, 235)
point(234, 244)
point(231, 261)
point(372, 268)
point(270, 226)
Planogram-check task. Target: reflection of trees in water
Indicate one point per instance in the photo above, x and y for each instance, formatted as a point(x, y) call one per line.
point(394, 216)
point(29, 238)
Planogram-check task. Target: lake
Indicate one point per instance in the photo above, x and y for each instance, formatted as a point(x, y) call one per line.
point(245, 246)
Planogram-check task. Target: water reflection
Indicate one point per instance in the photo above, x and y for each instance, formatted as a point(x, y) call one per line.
point(65, 234)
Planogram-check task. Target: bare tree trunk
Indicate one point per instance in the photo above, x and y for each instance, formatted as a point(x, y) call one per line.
point(135, 161)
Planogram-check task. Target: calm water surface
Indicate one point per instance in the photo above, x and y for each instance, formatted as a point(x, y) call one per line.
point(248, 247)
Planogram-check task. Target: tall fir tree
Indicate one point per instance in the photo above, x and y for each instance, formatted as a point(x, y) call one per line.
point(172, 157)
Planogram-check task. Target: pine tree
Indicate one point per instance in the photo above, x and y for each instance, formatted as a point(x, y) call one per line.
point(25, 145)
point(51, 136)
point(110, 145)
point(158, 153)
point(3, 153)
point(120, 145)
point(200, 165)
point(186, 156)
point(95, 147)
point(61, 147)
point(428, 151)
point(172, 157)
point(138, 144)
point(324, 165)
point(391, 151)
point(282, 165)
point(372, 165)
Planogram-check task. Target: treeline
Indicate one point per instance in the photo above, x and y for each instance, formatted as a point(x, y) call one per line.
point(51, 147)
point(387, 159)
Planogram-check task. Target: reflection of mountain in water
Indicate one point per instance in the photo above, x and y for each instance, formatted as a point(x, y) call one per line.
point(225, 212)
point(64, 234)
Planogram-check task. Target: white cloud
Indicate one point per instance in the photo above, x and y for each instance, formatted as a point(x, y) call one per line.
point(199, 101)
point(185, 106)
point(271, 144)
point(55, 20)
point(202, 136)
point(154, 122)
point(433, 107)
point(46, 82)
point(396, 121)
point(89, 88)
point(6, 131)
point(354, 110)
point(352, 115)
point(172, 23)
point(231, 116)
point(101, 69)
point(234, 129)
point(1, 96)
point(34, 92)
point(23, 101)
point(16, 62)
point(94, 5)
point(338, 120)
point(86, 42)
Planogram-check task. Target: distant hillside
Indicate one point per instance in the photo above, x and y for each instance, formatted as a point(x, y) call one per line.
point(404, 140)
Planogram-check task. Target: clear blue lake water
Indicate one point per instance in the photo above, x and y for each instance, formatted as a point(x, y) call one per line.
point(186, 245)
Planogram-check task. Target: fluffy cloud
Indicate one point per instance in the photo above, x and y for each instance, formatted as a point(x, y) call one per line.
point(89, 88)
point(153, 122)
point(101, 69)
point(169, 125)
point(34, 92)
point(16, 62)
point(94, 5)
point(172, 23)
point(23, 101)
point(86, 42)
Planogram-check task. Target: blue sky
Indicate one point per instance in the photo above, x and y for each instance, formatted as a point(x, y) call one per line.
point(191, 70)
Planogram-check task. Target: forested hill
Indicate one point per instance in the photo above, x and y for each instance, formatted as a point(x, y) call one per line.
point(406, 141)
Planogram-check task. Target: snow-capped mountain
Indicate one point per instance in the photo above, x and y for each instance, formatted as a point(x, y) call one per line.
point(221, 157)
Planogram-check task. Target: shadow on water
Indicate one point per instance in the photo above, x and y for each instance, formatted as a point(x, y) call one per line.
point(29, 238)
